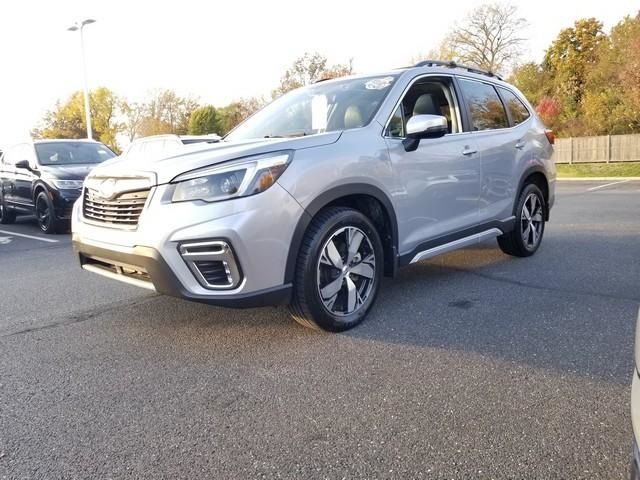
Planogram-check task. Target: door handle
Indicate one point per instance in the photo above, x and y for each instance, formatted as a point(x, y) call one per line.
point(520, 145)
point(469, 151)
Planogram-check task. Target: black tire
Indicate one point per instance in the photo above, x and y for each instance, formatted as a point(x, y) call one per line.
point(526, 236)
point(46, 214)
point(356, 278)
point(6, 216)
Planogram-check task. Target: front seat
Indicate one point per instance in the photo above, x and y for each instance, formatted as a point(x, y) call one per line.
point(353, 117)
point(426, 106)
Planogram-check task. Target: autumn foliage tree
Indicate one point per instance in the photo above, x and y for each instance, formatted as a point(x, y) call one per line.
point(588, 82)
point(67, 119)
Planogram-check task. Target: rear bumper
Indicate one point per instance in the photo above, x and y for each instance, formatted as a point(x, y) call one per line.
point(145, 267)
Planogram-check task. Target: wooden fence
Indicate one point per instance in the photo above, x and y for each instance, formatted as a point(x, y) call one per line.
point(604, 149)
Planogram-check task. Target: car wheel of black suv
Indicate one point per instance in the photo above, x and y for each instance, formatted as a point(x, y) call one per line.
point(6, 216)
point(527, 233)
point(46, 214)
point(339, 271)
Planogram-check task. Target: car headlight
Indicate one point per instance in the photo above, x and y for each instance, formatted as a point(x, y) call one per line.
point(240, 178)
point(67, 184)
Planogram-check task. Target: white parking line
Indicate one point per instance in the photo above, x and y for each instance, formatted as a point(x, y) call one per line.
point(607, 185)
point(32, 237)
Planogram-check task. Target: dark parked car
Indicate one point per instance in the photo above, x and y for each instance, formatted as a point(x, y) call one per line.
point(45, 178)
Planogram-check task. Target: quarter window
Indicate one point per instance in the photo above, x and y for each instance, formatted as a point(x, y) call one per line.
point(396, 124)
point(485, 106)
point(517, 110)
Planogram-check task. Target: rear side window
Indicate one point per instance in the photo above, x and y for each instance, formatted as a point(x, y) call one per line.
point(485, 106)
point(517, 110)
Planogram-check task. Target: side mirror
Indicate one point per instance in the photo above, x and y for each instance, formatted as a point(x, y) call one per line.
point(23, 164)
point(424, 126)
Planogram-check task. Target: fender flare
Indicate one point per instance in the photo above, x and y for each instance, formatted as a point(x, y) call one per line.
point(529, 171)
point(324, 199)
point(38, 185)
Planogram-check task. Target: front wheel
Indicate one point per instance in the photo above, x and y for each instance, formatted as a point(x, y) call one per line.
point(46, 214)
point(527, 233)
point(339, 271)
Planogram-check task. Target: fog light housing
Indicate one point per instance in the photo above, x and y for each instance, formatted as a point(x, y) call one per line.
point(213, 263)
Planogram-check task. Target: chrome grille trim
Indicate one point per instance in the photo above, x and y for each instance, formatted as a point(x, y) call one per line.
point(123, 211)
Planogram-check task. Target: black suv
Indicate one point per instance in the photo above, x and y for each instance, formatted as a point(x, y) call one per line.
point(45, 178)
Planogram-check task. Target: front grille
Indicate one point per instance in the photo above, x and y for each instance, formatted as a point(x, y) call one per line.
point(122, 211)
point(214, 272)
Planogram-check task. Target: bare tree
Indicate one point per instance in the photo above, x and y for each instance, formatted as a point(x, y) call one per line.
point(133, 114)
point(489, 38)
point(310, 68)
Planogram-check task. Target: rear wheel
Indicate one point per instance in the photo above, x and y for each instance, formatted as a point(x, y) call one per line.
point(46, 214)
point(6, 216)
point(339, 271)
point(526, 236)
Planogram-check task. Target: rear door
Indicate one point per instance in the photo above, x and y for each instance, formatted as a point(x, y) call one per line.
point(501, 147)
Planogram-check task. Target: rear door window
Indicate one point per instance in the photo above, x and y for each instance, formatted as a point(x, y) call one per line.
point(485, 107)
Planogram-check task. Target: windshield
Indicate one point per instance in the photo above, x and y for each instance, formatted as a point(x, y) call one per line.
point(321, 107)
point(72, 153)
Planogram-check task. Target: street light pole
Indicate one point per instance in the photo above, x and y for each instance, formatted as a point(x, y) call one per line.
point(87, 109)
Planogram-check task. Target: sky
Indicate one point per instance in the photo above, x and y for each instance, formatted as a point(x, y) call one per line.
point(220, 51)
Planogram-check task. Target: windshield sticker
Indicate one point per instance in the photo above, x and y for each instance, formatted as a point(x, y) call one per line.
point(378, 83)
point(319, 110)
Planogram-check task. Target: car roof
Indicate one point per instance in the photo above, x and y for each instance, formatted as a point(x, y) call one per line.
point(432, 66)
point(200, 137)
point(67, 140)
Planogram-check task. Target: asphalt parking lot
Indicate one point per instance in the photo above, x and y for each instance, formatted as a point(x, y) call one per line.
point(472, 365)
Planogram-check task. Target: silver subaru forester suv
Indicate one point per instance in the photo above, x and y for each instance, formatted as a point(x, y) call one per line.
point(313, 199)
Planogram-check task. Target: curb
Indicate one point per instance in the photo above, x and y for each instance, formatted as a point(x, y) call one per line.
point(594, 179)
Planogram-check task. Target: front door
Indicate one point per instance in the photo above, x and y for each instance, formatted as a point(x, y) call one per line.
point(439, 182)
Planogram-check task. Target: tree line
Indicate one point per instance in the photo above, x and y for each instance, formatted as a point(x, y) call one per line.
point(165, 111)
point(589, 81)
point(587, 84)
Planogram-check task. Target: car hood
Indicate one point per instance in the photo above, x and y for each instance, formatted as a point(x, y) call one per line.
point(67, 172)
point(165, 167)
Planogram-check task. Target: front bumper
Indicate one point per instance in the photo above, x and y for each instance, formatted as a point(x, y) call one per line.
point(63, 201)
point(153, 273)
point(258, 228)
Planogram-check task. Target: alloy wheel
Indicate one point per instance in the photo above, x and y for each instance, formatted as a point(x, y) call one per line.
point(43, 213)
point(531, 220)
point(346, 271)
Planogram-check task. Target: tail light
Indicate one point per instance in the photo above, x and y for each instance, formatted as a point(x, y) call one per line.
point(550, 136)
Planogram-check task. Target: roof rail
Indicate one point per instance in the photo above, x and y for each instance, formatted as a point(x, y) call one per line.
point(452, 64)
